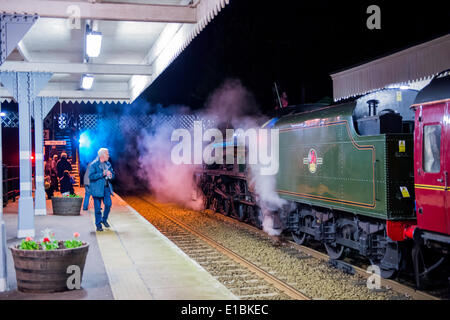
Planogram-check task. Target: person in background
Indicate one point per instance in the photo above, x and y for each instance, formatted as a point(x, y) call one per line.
point(100, 175)
point(53, 172)
point(284, 100)
point(87, 193)
point(48, 182)
point(53, 152)
point(66, 184)
point(63, 165)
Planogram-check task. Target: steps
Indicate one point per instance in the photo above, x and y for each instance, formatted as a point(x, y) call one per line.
point(66, 135)
point(75, 173)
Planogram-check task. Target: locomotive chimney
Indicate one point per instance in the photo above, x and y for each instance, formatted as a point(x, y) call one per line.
point(373, 105)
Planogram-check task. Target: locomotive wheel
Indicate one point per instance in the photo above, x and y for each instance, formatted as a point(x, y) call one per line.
point(226, 208)
point(301, 237)
point(334, 251)
point(424, 264)
point(206, 201)
point(242, 214)
point(255, 215)
point(385, 273)
point(337, 251)
point(388, 272)
point(214, 204)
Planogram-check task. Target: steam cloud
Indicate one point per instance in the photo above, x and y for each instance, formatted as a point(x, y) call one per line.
point(145, 159)
point(167, 181)
point(236, 107)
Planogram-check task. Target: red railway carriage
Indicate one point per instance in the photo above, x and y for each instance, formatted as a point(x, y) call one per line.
point(432, 156)
point(431, 173)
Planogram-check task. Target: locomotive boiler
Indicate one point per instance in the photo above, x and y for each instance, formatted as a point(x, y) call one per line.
point(368, 176)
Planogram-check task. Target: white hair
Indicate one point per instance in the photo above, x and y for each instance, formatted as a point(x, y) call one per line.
point(102, 151)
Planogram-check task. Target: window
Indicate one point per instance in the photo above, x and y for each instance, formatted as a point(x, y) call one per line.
point(432, 148)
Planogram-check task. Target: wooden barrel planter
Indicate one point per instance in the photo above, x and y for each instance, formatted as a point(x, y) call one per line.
point(41, 271)
point(66, 206)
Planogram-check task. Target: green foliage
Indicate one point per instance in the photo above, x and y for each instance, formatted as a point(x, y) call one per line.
point(50, 245)
point(49, 242)
point(73, 196)
point(70, 244)
point(29, 245)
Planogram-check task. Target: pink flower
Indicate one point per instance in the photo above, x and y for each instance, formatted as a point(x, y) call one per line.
point(76, 235)
point(46, 239)
point(28, 239)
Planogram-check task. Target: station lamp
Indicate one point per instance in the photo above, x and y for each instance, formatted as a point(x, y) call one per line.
point(93, 43)
point(87, 80)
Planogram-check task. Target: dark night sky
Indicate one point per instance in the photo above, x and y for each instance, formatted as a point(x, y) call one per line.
point(295, 43)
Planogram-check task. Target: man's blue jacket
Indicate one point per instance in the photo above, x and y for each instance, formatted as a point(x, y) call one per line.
point(97, 180)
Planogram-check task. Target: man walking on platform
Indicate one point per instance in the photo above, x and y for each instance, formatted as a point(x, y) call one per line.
point(100, 175)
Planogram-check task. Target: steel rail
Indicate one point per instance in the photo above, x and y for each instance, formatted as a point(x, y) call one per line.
point(277, 283)
point(396, 286)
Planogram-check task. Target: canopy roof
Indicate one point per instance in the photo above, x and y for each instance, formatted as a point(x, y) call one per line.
point(140, 39)
point(415, 66)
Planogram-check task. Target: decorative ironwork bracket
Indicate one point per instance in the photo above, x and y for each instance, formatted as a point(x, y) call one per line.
point(13, 28)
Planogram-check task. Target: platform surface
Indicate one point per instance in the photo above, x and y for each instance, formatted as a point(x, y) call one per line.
point(131, 260)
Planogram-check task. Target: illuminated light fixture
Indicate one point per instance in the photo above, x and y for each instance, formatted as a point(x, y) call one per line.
point(399, 86)
point(2, 114)
point(85, 141)
point(93, 43)
point(87, 81)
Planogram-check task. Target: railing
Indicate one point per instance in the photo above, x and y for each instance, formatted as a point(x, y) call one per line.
point(11, 183)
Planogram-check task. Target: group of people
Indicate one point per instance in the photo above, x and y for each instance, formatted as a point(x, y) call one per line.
point(57, 175)
point(97, 182)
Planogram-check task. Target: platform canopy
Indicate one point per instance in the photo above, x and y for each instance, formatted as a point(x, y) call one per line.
point(140, 39)
point(414, 67)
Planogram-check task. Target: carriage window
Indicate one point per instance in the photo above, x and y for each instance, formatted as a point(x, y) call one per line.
point(432, 149)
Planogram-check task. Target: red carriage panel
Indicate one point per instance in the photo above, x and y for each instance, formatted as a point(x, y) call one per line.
point(431, 164)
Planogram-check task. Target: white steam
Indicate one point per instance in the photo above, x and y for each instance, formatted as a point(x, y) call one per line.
point(167, 181)
point(237, 108)
point(231, 106)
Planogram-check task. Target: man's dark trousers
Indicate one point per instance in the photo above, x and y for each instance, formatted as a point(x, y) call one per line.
point(97, 206)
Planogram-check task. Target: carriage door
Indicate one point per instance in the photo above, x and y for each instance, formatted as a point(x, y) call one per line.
point(431, 179)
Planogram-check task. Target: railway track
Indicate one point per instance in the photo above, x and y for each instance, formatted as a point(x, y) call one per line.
point(396, 286)
point(253, 283)
point(284, 287)
point(274, 284)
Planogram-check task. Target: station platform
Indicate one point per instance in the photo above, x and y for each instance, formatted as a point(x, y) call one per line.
point(130, 261)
